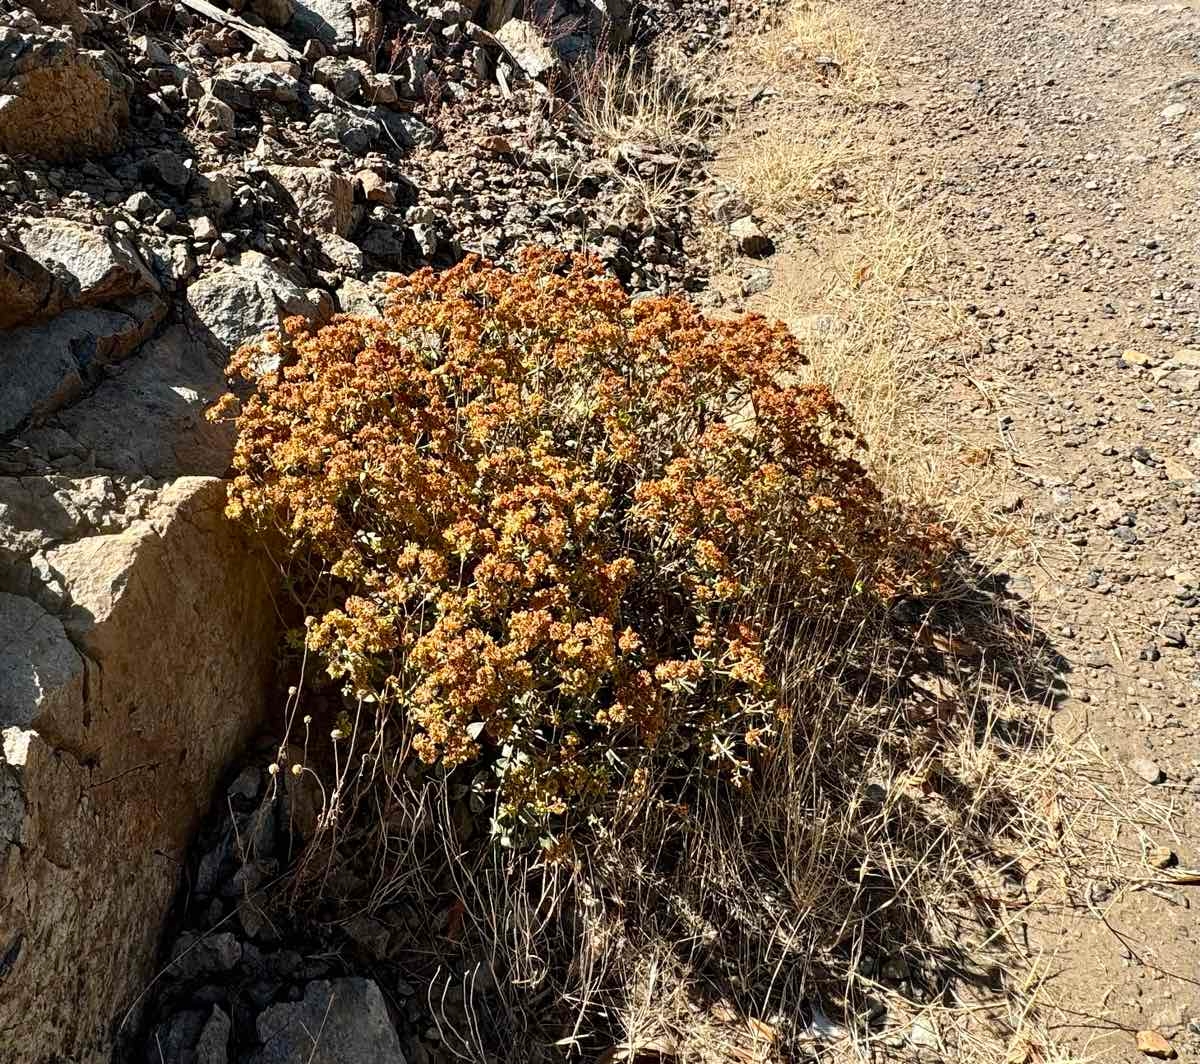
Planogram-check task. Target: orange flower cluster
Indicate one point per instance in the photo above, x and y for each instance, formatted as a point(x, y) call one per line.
point(552, 527)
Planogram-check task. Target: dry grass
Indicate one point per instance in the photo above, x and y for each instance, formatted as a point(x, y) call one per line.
point(643, 102)
point(786, 167)
point(822, 43)
point(873, 315)
point(866, 891)
point(648, 117)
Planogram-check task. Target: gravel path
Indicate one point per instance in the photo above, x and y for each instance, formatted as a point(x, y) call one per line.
point(1061, 141)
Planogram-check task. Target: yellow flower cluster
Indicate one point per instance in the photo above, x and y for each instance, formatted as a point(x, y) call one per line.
point(550, 527)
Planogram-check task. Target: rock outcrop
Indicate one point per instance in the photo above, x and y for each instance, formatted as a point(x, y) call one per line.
point(57, 101)
point(136, 624)
point(131, 674)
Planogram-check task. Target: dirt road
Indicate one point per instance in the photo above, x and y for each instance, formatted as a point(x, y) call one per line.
point(1060, 142)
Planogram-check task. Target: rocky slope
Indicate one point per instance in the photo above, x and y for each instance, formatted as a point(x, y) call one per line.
point(173, 180)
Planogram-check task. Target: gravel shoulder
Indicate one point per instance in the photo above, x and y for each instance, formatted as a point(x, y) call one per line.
point(1056, 146)
point(1065, 141)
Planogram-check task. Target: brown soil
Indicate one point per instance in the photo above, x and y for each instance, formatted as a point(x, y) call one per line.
point(1043, 140)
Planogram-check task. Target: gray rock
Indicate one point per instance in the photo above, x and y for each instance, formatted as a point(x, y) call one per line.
point(28, 291)
point(215, 115)
point(59, 12)
point(342, 77)
point(140, 204)
point(242, 84)
point(168, 170)
point(406, 130)
point(175, 1039)
point(96, 265)
point(200, 957)
point(41, 673)
point(239, 302)
point(426, 239)
point(69, 830)
point(341, 1022)
point(149, 420)
point(275, 13)
point(342, 253)
point(383, 242)
point(43, 367)
point(358, 297)
point(324, 200)
point(528, 47)
point(213, 1045)
point(380, 88)
point(410, 75)
point(340, 25)
point(204, 229)
point(38, 512)
point(609, 24)
point(191, 1037)
point(153, 52)
point(246, 785)
point(355, 132)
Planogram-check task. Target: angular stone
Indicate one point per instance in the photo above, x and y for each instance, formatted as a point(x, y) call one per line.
point(41, 673)
point(341, 252)
point(239, 302)
point(323, 199)
point(149, 420)
point(213, 1046)
point(349, 1015)
point(275, 13)
point(242, 84)
point(751, 240)
point(405, 129)
point(342, 25)
point(43, 367)
point(57, 102)
point(28, 291)
point(1153, 1044)
point(215, 115)
point(1147, 770)
point(96, 265)
point(35, 379)
point(528, 47)
point(176, 1038)
point(341, 76)
point(204, 957)
point(167, 169)
point(358, 297)
point(119, 719)
point(37, 513)
point(59, 12)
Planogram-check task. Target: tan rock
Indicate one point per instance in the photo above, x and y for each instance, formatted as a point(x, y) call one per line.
point(57, 102)
point(59, 12)
point(121, 705)
point(374, 188)
point(1155, 1045)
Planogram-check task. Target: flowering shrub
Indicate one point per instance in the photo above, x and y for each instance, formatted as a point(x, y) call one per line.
point(551, 529)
